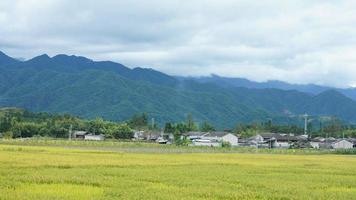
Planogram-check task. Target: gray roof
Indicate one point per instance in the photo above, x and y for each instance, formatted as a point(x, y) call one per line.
point(80, 132)
point(151, 133)
point(216, 134)
point(279, 137)
point(194, 133)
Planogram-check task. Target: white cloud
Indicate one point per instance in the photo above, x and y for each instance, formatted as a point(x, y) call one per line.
point(298, 41)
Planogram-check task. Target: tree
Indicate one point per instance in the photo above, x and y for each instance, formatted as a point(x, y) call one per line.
point(139, 121)
point(97, 126)
point(122, 131)
point(25, 129)
point(169, 128)
point(206, 127)
point(191, 126)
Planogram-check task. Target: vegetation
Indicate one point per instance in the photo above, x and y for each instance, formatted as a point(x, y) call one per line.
point(18, 123)
point(82, 87)
point(15, 123)
point(332, 128)
point(29, 172)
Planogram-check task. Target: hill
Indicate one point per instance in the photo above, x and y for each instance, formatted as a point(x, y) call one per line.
point(242, 82)
point(87, 88)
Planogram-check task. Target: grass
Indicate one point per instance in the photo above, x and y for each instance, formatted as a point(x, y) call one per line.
point(48, 171)
point(144, 147)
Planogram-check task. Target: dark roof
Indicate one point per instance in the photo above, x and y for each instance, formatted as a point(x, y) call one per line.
point(318, 139)
point(279, 137)
point(80, 132)
point(216, 134)
point(353, 140)
point(151, 133)
point(194, 133)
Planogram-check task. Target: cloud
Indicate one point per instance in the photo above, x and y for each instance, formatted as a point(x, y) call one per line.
point(298, 41)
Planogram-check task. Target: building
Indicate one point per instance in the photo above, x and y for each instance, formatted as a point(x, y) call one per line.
point(212, 138)
point(193, 135)
point(280, 140)
point(206, 142)
point(94, 137)
point(317, 142)
point(342, 144)
point(147, 135)
point(79, 134)
point(84, 135)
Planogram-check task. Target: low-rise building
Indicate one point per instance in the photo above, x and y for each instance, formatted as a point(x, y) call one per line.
point(342, 144)
point(206, 142)
point(222, 137)
point(212, 138)
point(85, 135)
point(79, 134)
point(279, 140)
point(147, 135)
point(94, 137)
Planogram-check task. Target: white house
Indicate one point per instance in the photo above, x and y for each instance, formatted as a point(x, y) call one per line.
point(230, 138)
point(221, 137)
point(94, 137)
point(342, 144)
point(278, 140)
point(315, 144)
point(206, 142)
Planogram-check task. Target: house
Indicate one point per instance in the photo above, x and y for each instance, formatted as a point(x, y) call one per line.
point(280, 140)
point(212, 138)
point(342, 144)
point(94, 137)
point(317, 142)
point(254, 141)
point(193, 135)
point(79, 134)
point(206, 142)
point(353, 140)
point(146, 135)
point(138, 135)
point(84, 135)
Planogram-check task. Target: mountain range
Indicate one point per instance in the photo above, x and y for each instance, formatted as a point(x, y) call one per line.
point(89, 89)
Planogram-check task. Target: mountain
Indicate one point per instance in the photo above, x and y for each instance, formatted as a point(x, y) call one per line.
point(87, 88)
point(5, 59)
point(241, 82)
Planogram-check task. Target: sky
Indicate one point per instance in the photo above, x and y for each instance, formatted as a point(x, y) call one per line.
point(298, 41)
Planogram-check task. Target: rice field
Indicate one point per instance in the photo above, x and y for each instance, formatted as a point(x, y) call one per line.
point(37, 172)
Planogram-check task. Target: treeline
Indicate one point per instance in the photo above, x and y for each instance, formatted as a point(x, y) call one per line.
point(331, 128)
point(15, 123)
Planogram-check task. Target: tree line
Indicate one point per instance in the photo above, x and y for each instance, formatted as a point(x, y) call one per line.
point(15, 123)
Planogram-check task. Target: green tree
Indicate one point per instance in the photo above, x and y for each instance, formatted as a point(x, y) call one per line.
point(169, 128)
point(139, 121)
point(122, 131)
point(206, 127)
point(191, 126)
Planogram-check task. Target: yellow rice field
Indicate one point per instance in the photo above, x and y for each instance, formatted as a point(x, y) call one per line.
point(44, 172)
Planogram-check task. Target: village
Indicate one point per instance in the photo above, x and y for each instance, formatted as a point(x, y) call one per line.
point(221, 139)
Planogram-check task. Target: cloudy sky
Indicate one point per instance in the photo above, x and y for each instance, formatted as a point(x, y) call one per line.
point(301, 41)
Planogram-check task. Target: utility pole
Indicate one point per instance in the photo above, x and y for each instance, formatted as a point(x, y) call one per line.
point(306, 124)
point(70, 132)
point(153, 122)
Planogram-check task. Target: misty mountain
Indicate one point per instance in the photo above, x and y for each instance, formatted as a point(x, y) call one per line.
point(242, 82)
point(87, 88)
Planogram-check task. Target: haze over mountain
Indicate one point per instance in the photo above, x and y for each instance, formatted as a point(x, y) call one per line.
point(242, 82)
point(90, 89)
